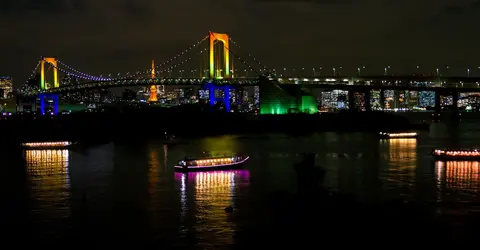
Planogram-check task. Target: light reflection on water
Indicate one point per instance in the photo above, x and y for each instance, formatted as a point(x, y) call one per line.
point(190, 207)
point(402, 163)
point(458, 181)
point(212, 192)
point(49, 180)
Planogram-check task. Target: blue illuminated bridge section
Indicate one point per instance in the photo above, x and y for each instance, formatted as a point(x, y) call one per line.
point(341, 82)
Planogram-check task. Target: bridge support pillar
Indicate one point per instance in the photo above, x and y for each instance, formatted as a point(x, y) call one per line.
point(438, 108)
point(226, 98)
point(226, 95)
point(455, 100)
point(396, 99)
point(54, 98)
point(382, 99)
point(351, 100)
point(55, 104)
point(42, 104)
point(368, 104)
point(211, 94)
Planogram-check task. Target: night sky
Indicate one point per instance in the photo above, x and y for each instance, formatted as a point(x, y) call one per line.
point(103, 36)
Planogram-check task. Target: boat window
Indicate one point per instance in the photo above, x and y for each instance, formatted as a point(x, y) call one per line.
point(181, 163)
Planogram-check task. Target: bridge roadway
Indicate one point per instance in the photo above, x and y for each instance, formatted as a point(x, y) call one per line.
point(414, 83)
point(387, 78)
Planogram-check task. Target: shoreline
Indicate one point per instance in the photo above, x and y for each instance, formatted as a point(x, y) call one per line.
point(93, 127)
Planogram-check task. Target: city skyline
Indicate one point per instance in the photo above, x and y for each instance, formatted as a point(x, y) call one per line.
point(280, 34)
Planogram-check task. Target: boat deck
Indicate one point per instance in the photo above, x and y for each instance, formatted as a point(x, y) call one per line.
point(223, 163)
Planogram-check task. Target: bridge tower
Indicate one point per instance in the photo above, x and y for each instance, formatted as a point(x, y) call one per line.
point(153, 88)
point(52, 99)
point(223, 38)
point(52, 61)
point(226, 95)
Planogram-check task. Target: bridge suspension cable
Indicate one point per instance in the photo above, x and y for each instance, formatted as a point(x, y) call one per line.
point(164, 70)
point(241, 59)
point(34, 71)
point(179, 55)
point(82, 74)
point(79, 76)
point(250, 55)
point(159, 68)
point(184, 61)
point(26, 87)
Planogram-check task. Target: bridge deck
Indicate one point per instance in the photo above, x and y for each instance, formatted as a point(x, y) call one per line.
point(414, 83)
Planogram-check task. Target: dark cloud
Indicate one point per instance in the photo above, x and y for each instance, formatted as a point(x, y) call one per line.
point(335, 2)
point(454, 23)
point(457, 10)
point(43, 6)
point(104, 35)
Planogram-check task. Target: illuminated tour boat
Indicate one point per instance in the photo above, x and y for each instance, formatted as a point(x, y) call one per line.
point(211, 163)
point(385, 135)
point(47, 145)
point(457, 154)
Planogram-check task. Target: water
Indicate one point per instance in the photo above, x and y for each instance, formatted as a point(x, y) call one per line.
point(130, 191)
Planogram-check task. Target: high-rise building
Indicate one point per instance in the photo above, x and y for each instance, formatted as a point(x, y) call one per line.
point(426, 98)
point(334, 99)
point(5, 86)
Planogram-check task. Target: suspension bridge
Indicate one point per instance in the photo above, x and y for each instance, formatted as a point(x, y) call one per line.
point(212, 64)
point(215, 62)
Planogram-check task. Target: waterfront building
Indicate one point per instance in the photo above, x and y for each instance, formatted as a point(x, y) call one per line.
point(5, 86)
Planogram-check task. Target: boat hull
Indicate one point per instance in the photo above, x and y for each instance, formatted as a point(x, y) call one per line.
point(456, 155)
point(408, 135)
point(47, 148)
point(456, 158)
point(47, 145)
point(230, 166)
point(399, 137)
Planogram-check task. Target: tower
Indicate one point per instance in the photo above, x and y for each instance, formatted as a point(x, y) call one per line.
point(52, 61)
point(153, 88)
point(226, 54)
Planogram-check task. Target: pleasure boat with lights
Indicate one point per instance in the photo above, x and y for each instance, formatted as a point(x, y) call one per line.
point(385, 135)
point(211, 163)
point(456, 154)
point(47, 145)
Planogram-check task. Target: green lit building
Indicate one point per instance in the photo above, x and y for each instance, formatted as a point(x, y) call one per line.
point(286, 99)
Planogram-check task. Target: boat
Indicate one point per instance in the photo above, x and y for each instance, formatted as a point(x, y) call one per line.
point(47, 145)
point(456, 154)
point(211, 163)
point(405, 135)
